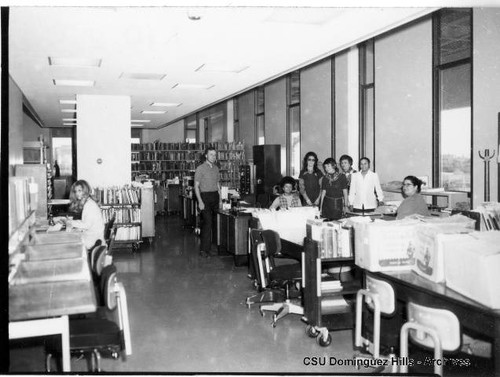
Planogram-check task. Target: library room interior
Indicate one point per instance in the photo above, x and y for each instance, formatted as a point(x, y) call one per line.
point(251, 189)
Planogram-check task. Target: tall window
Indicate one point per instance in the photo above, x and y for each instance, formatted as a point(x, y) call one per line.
point(62, 153)
point(190, 129)
point(367, 100)
point(260, 133)
point(293, 122)
point(236, 119)
point(452, 99)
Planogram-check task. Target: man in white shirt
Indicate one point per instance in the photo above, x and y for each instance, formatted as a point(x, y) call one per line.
point(365, 188)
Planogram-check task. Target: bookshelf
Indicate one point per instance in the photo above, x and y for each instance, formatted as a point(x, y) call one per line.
point(163, 161)
point(124, 204)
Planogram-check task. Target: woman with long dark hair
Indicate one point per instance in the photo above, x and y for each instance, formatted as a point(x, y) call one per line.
point(333, 191)
point(310, 179)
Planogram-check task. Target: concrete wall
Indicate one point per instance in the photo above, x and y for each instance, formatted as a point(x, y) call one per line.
point(170, 134)
point(247, 122)
point(403, 102)
point(486, 99)
point(103, 132)
point(316, 110)
point(275, 117)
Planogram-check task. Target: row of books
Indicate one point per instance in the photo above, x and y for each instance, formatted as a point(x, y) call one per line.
point(490, 216)
point(172, 156)
point(21, 203)
point(166, 165)
point(160, 175)
point(157, 145)
point(117, 195)
point(122, 215)
point(128, 233)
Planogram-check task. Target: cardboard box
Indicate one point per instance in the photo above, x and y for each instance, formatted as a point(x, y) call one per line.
point(385, 245)
point(429, 258)
point(472, 265)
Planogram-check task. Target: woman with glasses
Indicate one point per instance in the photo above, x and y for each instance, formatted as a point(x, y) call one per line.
point(414, 203)
point(333, 191)
point(310, 180)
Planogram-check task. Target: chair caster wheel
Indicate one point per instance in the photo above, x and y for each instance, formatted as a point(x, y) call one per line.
point(262, 313)
point(311, 331)
point(324, 342)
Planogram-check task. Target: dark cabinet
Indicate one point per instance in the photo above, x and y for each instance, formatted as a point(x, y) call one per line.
point(232, 235)
point(267, 160)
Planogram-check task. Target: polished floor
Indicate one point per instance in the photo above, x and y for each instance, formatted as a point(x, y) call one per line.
point(188, 314)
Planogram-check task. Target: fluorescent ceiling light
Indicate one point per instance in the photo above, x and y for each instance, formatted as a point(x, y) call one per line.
point(137, 125)
point(69, 119)
point(227, 68)
point(153, 112)
point(75, 62)
point(73, 82)
point(69, 124)
point(192, 86)
point(68, 111)
point(142, 76)
point(165, 104)
point(140, 120)
point(67, 101)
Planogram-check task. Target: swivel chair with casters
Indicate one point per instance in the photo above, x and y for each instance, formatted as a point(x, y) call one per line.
point(430, 328)
point(283, 277)
point(380, 298)
point(106, 333)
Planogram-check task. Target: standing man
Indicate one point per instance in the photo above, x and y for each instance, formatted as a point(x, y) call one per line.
point(207, 190)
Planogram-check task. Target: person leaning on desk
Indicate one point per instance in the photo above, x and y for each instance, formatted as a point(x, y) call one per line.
point(92, 223)
point(414, 203)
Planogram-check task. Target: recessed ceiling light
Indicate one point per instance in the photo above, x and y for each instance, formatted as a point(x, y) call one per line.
point(68, 111)
point(225, 68)
point(153, 112)
point(69, 124)
point(165, 104)
point(75, 62)
point(69, 119)
point(73, 82)
point(67, 101)
point(140, 120)
point(142, 76)
point(192, 86)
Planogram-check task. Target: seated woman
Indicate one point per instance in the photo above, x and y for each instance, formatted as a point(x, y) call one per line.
point(289, 198)
point(333, 191)
point(310, 179)
point(414, 203)
point(92, 222)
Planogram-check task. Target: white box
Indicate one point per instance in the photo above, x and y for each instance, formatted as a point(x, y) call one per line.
point(385, 245)
point(472, 265)
point(429, 258)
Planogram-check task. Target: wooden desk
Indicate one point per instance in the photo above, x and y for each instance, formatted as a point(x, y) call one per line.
point(472, 315)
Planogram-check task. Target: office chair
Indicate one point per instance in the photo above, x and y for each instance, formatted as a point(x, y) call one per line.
point(282, 277)
point(259, 263)
point(430, 328)
point(108, 229)
point(380, 299)
point(107, 333)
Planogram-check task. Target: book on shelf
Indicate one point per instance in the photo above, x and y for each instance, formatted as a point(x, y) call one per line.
point(128, 233)
point(117, 195)
point(490, 216)
point(22, 199)
point(122, 215)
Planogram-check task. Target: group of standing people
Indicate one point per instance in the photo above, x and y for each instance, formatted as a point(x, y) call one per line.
point(339, 190)
point(334, 190)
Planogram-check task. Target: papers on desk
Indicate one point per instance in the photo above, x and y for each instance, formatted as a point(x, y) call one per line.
point(55, 228)
point(331, 286)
